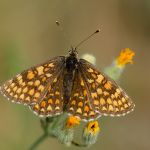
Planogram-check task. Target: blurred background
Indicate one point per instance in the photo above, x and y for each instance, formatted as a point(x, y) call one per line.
point(29, 36)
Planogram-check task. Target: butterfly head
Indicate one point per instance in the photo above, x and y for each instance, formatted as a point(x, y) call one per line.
point(72, 59)
point(73, 52)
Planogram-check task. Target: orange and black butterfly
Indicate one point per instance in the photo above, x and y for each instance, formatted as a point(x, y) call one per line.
point(68, 84)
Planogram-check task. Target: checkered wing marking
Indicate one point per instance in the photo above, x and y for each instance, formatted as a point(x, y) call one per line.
point(107, 97)
point(52, 102)
point(78, 104)
point(31, 85)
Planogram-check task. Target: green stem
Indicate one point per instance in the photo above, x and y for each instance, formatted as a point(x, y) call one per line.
point(38, 141)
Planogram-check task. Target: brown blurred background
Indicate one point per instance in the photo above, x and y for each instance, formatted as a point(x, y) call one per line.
point(29, 35)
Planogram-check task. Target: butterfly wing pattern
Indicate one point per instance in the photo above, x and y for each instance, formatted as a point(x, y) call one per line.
point(32, 85)
point(68, 84)
point(79, 103)
point(107, 97)
point(52, 102)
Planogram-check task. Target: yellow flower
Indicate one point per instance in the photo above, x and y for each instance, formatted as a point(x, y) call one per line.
point(125, 57)
point(92, 128)
point(72, 121)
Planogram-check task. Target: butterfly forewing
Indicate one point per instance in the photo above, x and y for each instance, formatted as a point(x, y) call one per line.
point(79, 103)
point(107, 97)
point(31, 85)
point(52, 103)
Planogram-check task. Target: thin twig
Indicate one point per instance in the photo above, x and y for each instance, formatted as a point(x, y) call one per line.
point(38, 141)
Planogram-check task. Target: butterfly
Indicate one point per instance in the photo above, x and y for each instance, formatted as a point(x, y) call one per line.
point(68, 84)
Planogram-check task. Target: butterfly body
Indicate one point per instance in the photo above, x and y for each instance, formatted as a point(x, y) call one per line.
point(68, 84)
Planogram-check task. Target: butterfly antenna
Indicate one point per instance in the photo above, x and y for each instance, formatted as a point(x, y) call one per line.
point(97, 31)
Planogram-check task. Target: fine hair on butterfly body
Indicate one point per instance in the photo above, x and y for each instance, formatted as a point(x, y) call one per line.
point(68, 84)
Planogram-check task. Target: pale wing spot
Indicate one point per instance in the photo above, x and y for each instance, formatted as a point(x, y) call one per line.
point(8, 90)
point(41, 88)
point(48, 75)
point(30, 83)
point(112, 96)
point(123, 100)
point(99, 91)
point(116, 95)
point(125, 106)
point(76, 95)
point(79, 111)
point(27, 98)
point(25, 90)
point(57, 101)
point(31, 92)
point(57, 93)
point(51, 65)
point(19, 77)
point(11, 94)
point(94, 75)
point(19, 90)
point(71, 108)
point(30, 75)
point(90, 80)
point(119, 102)
point(73, 102)
point(55, 80)
point(23, 83)
point(82, 83)
point(118, 91)
point(37, 83)
point(85, 114)
point(104, 108)
point(91, 113)
point(49, 108)
point(40, 70)
point(109, 101)
point(105, 93)
point(42, 110)
point(122, 109)
point(90, 70)
point(20, 81)
point(36, 107)
point(102, 101)
point(57, 108)
point(96, 102)
point(46, 69)
point(12, 85)
point(37, 95)
point(111, 108)
point(100, 78)
point(94, 95)
point(115, 103)
point(16, 96)
point(22, 96)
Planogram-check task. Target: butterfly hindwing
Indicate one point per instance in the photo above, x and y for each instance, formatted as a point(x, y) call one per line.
point(107, 97)
point(79, 103)
point(52, 102)
point(31, 85)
